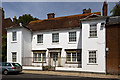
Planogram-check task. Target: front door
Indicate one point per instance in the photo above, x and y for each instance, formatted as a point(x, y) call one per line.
point(54, 59)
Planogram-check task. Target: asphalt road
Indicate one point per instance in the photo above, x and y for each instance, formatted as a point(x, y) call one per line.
point(28, 76)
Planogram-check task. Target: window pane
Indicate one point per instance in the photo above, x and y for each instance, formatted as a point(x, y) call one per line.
point(92, 56)
point(14, 56)
point(7, 64)
point(73, 56)
point(39, 57)
point(44, 56)
point(35, 56)
point(72, 36)
point(93, 30)
point(79, 56)
point(14, 36)
point(16, 64)
point(55, 37)
point(40, 38)
point(68, 56)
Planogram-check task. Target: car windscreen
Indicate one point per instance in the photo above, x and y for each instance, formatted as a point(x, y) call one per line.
point(6, 64)
point(16, 64)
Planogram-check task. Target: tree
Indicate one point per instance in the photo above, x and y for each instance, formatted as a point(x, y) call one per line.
point(116, 10)
point(4, 48)
point(25, 19)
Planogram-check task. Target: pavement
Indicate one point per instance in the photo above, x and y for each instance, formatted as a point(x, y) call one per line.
point(77, 74)
point(45, 76)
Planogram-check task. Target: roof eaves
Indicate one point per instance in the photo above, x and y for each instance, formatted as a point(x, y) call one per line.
point(11, 27)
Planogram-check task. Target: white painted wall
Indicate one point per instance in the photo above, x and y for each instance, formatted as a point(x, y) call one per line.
point(22, 46)
point(93, 44)
point(27, 41)
point(63, 40)
point(15, 46)
point(26, 46)
point(63, 43)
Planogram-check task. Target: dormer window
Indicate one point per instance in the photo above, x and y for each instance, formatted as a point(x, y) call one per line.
point(93, 30)
point(14, 36)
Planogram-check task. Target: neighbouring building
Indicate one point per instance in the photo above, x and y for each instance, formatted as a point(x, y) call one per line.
point(6, 22)
point(113, 45)
point(85, 42)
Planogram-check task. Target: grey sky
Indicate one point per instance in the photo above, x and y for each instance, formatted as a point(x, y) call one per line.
point(40, 9)
point(59, 0)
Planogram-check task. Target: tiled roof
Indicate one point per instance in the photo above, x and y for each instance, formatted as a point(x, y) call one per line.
point(58, 22)
point(5, 24)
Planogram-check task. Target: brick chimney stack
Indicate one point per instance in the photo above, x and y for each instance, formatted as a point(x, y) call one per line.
point(14, 20)
point(2, 13)
point(105, 9)
point(51, 15)
point(86, 11)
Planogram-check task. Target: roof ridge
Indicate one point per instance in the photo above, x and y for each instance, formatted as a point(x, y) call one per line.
point(63, 17)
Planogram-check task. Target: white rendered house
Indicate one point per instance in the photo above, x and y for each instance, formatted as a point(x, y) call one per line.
point(72, 48)
point(85, 42)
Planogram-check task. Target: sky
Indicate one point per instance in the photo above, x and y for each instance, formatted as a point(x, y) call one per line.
point(41, 9)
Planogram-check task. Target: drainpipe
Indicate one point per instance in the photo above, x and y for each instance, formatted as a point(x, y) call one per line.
point(105, 49)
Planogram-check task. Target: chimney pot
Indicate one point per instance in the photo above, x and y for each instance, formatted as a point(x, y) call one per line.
point(51, 15)
point(14, 17)
point(86, 11)
point(14, 20)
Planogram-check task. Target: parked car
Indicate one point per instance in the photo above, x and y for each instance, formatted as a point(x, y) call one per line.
point(10, 67)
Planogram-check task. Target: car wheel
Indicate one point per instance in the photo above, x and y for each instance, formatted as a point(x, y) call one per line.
point(18, 72)
point(5, 72)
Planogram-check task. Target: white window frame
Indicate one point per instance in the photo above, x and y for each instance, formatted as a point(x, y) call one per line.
point(71, 56)
point(74, 38)
point(92, 57)
point(44, 58)
point(39, 39)
point(14, 36)
point(93, 31)
point(54, 38)
point(14, 57)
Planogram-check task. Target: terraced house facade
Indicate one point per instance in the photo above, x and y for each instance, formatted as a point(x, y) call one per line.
point(70, 43)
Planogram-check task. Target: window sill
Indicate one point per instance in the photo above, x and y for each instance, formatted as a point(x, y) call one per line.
point(54, 43)
point(93, 37)
point(38, 62)
point(13, 41)
point(72, 63)
point(39, 44)
point(92, 64)
point(71, 42)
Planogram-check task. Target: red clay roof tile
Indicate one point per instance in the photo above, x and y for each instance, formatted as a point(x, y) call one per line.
point(59, 22)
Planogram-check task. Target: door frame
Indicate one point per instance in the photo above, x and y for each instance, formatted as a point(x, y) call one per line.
point(54, 50)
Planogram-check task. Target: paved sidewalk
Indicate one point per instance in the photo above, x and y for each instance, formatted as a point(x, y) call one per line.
point(73, 74)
